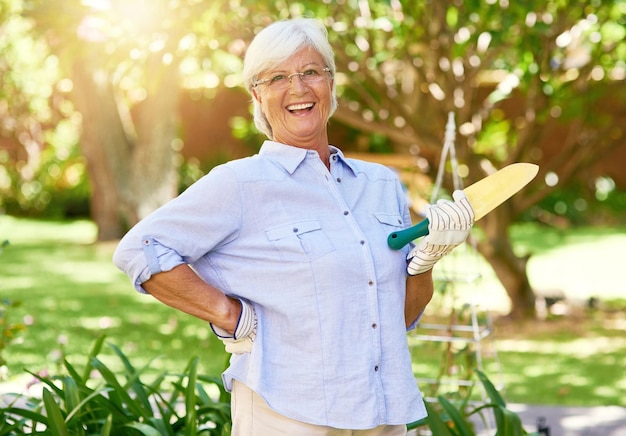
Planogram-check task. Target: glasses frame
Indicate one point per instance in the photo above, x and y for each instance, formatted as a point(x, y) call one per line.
point(289, 77)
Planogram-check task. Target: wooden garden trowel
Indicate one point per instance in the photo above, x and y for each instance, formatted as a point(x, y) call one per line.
point(484, 196)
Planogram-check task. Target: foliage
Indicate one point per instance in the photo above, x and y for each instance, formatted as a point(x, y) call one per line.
point(97, 401)
point(450, 419)
point(39, 158)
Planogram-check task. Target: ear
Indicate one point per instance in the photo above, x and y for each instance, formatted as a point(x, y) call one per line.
point(256, 95)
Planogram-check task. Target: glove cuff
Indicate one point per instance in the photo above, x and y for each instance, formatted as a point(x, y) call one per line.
point(247, 321)
point(245, 324)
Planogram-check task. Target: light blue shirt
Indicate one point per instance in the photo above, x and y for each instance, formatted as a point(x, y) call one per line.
point(308, 248)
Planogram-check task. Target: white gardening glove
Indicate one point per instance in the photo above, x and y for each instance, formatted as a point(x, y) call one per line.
point(450, 223)
point(245, 331)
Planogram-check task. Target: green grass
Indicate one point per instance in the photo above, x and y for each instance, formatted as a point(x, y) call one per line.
point(71, 294)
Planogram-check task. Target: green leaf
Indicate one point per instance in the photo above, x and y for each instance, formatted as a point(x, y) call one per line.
point(72, 397)
point(144, 429)
point(509, 423)
point(107, 426)
point(48, 382)
point(460, 424)
point(95, 350)
point(74, 374)
point(190, 397)
point(28, 414)
point(435, 423)
point(134, 381)
point(118, 395)
point(56, 424)
point(491, 390)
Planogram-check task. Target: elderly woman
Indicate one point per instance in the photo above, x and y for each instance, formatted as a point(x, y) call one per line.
point(284, 253)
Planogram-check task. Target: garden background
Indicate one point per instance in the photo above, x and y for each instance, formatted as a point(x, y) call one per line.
point(110, 108)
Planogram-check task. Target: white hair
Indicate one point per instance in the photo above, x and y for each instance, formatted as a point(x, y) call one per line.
point(274, 45)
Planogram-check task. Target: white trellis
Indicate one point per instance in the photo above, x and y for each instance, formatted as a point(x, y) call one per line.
point(459, 274)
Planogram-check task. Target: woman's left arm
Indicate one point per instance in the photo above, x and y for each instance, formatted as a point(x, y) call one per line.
point(419, 292)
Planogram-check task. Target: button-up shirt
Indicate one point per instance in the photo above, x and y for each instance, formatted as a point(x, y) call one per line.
point(308, 248)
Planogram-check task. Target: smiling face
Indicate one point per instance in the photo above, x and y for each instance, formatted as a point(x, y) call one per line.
point(298, 113)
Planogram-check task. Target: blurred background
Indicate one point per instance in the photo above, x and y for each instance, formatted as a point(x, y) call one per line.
point(110, 108)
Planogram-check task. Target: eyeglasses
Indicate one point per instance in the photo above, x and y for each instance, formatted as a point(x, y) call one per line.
point(310, 76)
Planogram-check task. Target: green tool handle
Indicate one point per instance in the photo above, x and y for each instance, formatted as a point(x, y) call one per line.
point(397, 240)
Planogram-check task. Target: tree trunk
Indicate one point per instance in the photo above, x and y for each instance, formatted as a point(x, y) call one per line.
point(508, 267)
point(105, 146)
point(154, 175)
point(130, 163)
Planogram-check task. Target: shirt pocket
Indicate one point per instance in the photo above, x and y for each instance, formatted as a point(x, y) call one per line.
point(388, 223)
point(392, 220)
point(300, 240)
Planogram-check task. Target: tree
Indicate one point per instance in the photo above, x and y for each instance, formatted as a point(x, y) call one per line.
point(124, 59)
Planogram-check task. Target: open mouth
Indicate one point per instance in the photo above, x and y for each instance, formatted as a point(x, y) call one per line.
point(301, 107)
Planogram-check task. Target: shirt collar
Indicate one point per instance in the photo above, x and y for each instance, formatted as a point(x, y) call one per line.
point(290, 157)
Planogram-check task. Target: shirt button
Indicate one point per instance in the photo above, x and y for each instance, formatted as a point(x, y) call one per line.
point(374, 325)
point(295, 230)
point(345, 212)
point(146, 242)
point(362, 242)
point(338, 179)
point(376, 368)
point(371, 283)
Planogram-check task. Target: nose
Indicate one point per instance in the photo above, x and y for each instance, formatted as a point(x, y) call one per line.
point(298, 83)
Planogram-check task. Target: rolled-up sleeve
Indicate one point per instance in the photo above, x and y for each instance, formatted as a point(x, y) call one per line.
point(206, 215)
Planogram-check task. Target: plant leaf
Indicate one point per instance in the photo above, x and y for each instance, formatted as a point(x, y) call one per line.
point(134, 381)
point(56, 424)
point(509, 423)
point(435, 423)
point(144, 429)
point(190, 397)
point(107, 426)
point(460, 424)
point(93, 352)
point(491, 389)
point(118, 395)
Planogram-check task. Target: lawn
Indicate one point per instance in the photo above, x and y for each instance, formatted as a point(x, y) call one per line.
point(70, 294)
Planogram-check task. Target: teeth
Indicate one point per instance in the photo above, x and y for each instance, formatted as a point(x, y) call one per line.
point(297, 107)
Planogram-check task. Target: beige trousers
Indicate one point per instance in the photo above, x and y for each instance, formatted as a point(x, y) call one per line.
point(252, 416)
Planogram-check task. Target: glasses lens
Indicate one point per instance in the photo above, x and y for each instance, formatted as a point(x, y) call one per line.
point(282, 81)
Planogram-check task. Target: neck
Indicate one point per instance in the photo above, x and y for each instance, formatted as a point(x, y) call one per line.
point(319, 144)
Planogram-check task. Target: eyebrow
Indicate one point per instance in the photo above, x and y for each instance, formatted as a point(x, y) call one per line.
point(303, 66)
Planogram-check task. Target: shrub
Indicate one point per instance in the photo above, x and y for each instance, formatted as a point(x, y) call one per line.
point(452, 419)
point(96, 401)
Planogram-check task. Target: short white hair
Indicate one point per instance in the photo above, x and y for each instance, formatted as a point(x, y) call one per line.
point(274, 45)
